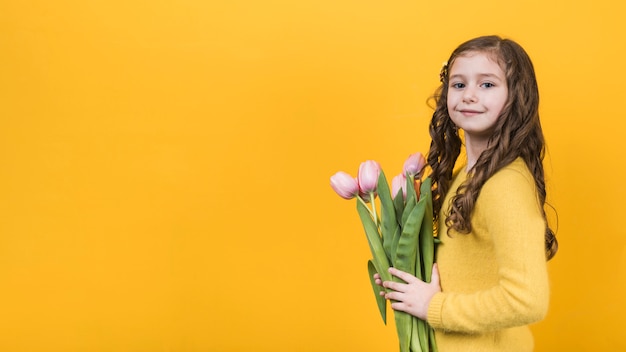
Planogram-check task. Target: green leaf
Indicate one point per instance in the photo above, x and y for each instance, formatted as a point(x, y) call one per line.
point(398, 204)
point(381, 302)
point(394, 247)
point(407, 248)
point(431, 340)
point(422, 330)
point(411, 199)
point(410, 187)
point(373, 239)
point(427, 241)
point(404, 328)
point(408, 208)
point(416, 338)
point(389, 224)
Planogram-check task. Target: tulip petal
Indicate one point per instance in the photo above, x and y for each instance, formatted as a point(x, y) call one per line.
point(398, 183)
point(369, 172)
point(344, 185)
point(414, 165)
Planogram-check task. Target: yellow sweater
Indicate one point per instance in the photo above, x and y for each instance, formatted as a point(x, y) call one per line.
point(494, 280)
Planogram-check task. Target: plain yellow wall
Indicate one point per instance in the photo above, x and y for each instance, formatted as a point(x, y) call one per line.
point(164, 166)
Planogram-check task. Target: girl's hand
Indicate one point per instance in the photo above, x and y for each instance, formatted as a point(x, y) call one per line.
point(379, 282)
point(412, 297)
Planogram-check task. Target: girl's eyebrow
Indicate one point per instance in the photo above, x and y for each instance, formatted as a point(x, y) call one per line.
point(480, 75)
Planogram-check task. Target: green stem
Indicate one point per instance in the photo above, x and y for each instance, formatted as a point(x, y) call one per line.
point(375, 214)
point(372, 213)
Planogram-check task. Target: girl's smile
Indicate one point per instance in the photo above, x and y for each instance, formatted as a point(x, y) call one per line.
point(477, 93)
point(469, 113)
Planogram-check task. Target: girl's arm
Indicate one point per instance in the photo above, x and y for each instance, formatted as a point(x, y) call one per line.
point(510, 219)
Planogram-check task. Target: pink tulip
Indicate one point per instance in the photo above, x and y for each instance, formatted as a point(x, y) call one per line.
point(368, 176)
point(346, 186)
point(414, 165)
point(398, 183)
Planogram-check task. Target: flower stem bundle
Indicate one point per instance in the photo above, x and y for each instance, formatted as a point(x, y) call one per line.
point(402, 236)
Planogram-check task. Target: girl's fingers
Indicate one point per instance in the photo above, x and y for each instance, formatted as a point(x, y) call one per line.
point(392, 295)
point(408, 278)
point(398, 306)
point(396, 286)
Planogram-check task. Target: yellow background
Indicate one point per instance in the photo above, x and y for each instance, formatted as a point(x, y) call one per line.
point(164, 166)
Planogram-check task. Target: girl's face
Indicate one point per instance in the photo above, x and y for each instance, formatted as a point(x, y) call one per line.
point(477, 93)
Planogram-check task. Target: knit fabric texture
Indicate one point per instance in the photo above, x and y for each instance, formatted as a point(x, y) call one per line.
point(494, 280)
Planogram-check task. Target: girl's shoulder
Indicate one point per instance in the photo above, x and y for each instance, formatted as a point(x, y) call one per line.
point(517, 166)
point(512, 188)
point(514, 175)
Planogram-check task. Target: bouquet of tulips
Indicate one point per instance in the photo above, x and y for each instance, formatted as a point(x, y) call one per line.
point(401, 235)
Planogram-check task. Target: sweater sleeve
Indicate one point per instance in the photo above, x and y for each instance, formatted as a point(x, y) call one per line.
point(510, 217)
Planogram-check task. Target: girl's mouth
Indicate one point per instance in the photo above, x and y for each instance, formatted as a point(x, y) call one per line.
point(470, 112)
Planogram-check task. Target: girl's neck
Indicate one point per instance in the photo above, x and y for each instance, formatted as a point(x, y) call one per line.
point(473, 149)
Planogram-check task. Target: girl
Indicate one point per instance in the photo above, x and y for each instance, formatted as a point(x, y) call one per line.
point(490, 280)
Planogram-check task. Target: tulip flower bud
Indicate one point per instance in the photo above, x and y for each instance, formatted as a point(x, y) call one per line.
point(368, 176)
point(345, 185)
point(398, 183)
point(414, 165)
point(365, 196)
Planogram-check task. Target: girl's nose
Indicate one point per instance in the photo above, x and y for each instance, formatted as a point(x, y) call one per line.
point(469, 95)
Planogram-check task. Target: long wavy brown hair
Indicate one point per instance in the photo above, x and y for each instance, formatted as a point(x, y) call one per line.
point(517, 133)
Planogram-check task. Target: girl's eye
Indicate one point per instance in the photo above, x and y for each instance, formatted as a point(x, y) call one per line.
point(457, 85)
point(488, 85)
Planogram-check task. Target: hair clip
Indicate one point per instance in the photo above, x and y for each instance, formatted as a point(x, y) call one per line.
point(443, 74)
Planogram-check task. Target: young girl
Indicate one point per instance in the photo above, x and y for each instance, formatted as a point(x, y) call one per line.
point(490, 280)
